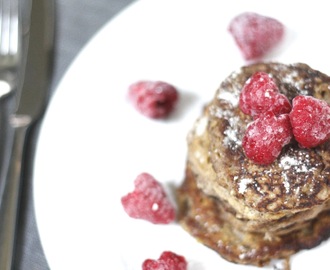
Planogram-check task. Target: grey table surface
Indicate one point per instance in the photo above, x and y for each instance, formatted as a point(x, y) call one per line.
point(72, 16)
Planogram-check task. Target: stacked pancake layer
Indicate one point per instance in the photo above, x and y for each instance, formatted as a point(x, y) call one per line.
point(250, 213)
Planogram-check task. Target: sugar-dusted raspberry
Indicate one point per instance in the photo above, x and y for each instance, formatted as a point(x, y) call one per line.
point(266, 136)
point(149, 201)
point(167, 261)
point(261, 94)
point(310, 120)
point(255, 34)
point(154, 99)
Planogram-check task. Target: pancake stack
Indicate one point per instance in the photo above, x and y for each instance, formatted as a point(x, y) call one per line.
point(249, 213)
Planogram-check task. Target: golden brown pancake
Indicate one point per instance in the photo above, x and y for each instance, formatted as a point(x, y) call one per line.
point(253, 213)
point(210, 221)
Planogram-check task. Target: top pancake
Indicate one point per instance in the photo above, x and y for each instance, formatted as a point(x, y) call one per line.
point(298, 180)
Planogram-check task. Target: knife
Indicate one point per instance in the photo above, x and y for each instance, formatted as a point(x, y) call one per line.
point(32, 101)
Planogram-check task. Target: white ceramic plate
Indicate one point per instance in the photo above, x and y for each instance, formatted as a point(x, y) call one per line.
point(93, 143)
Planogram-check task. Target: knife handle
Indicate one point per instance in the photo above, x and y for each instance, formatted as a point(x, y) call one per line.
point(10, 201)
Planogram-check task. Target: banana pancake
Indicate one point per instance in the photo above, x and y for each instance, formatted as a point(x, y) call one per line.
point(252, 213)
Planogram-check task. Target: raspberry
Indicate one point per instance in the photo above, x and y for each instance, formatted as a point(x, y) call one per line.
point(148, 201)
point(255, 34)
point(260, 94)
point(310, 120)
point(265, 137)
point(167, 261)
point(154, 99)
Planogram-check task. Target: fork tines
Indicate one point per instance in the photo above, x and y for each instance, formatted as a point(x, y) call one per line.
point(9, 27)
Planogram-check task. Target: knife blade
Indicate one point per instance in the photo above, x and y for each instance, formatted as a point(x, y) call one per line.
point(32, 100)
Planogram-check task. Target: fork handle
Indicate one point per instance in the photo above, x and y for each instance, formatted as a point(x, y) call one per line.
point(10, 203)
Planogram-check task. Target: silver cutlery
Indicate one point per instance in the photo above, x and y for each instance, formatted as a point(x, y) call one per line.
point(10, 36)
point(10, 60)
point(32, 101)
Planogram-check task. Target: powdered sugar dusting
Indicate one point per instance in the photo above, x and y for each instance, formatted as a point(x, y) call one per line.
point(286, 182)
point(243, 183)
point(200, 126)
point(231, 132)
point(293, 78)
point(299, 164)
point(231, 137)
point(231, 97)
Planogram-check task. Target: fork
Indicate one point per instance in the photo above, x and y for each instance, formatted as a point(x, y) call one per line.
point(10, 53)
point(9, 34)
point(10, 68)
point(33, 78)
point(10, 50)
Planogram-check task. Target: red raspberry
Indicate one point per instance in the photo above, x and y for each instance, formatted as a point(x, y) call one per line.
point(154, 99)
point(167, 261)
point(310, 120)
point(255, 34)
point(148, 201)
point(260, 94)
point(265, 137)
